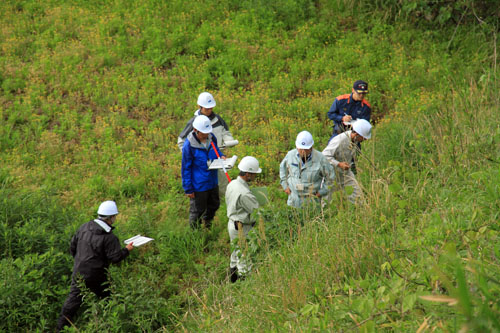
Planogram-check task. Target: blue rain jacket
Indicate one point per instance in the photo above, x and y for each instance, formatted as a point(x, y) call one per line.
point(196, 157)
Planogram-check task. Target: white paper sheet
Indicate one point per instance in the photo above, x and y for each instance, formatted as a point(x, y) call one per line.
point(228, 163)
point(138, 240)
point(230, 143)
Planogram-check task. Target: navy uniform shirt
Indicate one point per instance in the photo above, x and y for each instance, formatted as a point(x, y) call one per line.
point(346, 105)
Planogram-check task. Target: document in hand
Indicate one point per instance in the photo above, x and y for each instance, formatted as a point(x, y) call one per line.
point(261, 194)
point(228, 163)
point(229, 143)
point(138, 240)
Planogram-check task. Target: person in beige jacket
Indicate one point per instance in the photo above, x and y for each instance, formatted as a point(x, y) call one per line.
point(241, 202)
point(340, 152)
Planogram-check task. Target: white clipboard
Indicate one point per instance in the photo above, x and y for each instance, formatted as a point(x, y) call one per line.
point(138, 240)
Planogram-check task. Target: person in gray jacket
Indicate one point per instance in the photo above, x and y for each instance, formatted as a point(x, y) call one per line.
point(94, 247)
point(220, 130)
point(341, 150)
point(306, 175)
point(241, 202)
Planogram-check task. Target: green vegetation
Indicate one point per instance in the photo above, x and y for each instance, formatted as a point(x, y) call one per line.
point(94, 93)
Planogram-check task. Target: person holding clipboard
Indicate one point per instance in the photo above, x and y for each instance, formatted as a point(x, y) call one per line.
point(206, 104)
point(348, 108)
point(94, 247)
point(201, 184)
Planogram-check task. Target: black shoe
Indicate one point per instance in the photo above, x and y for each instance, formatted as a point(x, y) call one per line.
point(195, 224)
point(233, 274)
point(207, 223)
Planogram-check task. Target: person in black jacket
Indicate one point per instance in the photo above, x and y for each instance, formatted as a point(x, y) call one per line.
point(94, 247)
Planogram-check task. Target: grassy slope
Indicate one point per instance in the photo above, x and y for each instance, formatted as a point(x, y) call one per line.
point(97, 92)
point(428, 205)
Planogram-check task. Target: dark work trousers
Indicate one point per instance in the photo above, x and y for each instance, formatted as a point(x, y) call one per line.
point(74, 300)
point(203, 207)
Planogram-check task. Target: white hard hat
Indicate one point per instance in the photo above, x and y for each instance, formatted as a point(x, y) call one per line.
point(304, 140)
point(107, 208)
point(202, 124)
point(363, 128)
point(206, 100)
point(249, 164)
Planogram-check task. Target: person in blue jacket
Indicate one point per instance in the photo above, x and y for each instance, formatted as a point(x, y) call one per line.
point(200, 184)
point(349, 107)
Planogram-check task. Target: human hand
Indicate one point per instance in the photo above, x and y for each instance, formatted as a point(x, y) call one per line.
point(288, 192)
point(223, 157)
point(190, 195)
point(130, 246)
point(344, 165)
point(346, 118)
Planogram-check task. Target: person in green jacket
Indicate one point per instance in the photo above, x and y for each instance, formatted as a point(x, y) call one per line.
point(241, 202)
point(305, 174)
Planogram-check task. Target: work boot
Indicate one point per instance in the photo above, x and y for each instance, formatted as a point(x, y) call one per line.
point(207, 223)
point(194, 224)
point(233, 274)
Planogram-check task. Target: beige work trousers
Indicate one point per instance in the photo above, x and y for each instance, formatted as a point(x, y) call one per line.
point(345, 179)
point(237, 237)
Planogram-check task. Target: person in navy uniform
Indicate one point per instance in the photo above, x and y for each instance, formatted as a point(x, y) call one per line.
point(349, 107)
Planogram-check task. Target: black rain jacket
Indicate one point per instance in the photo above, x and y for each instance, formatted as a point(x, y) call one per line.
point(94, 249)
